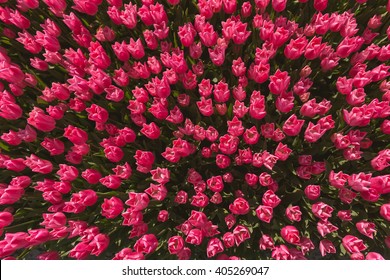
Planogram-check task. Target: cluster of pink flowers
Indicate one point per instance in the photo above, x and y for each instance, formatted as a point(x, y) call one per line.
point(179, 129)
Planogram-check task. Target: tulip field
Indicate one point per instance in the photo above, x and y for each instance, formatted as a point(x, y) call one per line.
point(195, 129)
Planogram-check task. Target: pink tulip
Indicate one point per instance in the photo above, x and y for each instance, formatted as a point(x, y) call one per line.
point(175, 244)
point(146, 244)
point(352, 244)
point(239, 207)
point(279, 5)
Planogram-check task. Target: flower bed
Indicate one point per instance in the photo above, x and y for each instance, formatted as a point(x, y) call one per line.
point(176, 129)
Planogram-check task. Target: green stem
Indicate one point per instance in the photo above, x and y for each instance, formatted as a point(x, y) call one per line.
point(19, 225)
point(24, 253)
